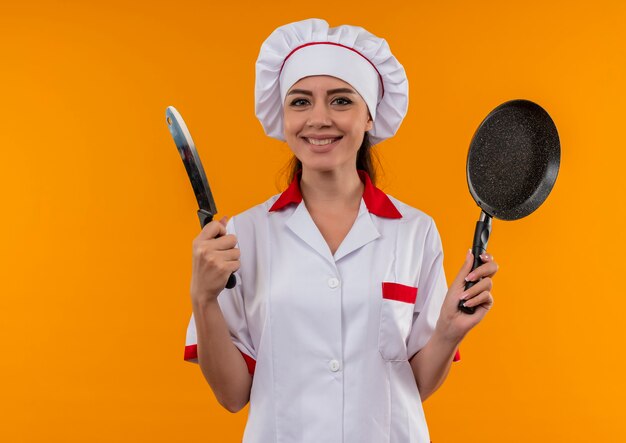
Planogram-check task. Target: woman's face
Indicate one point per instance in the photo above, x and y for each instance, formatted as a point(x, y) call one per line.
point(325, 120)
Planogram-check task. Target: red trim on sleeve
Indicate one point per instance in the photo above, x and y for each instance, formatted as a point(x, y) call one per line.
point(457, 356)
point(399, 292)
point(376, 201)
point(250, 362)
point(191, 352)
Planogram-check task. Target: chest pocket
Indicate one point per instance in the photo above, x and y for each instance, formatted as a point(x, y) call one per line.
point(396, 316)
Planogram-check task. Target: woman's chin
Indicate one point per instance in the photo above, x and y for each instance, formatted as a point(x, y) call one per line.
point(325, 165)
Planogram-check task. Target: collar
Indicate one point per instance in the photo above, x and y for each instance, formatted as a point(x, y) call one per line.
point(377, 201)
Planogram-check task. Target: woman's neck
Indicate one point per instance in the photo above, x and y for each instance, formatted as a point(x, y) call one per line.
point(336, 189)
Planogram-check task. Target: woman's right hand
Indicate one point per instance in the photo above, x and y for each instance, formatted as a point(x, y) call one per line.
point(214, 259)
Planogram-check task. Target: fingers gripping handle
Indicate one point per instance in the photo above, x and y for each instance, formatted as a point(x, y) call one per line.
point(481, 237)
point(205, 218)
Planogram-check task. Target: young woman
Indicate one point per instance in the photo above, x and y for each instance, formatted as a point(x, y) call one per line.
point(341, 322)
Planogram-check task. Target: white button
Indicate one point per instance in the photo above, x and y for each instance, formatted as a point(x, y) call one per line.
point(333, 282)
point(334, 365)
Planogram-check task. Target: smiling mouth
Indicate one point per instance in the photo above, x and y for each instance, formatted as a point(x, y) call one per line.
point(324, 142)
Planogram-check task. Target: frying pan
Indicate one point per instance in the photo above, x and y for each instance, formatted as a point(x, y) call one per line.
point(512, 165)
point(195, 171)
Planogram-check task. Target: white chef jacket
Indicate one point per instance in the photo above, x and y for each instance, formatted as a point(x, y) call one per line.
point(327, 337)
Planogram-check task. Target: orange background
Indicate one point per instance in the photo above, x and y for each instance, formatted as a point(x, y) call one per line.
point(98, 214)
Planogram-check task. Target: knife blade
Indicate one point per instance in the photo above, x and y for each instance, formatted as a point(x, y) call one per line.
point(195, 171)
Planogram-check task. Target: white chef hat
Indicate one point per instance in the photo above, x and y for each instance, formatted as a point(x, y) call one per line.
point(310, 47)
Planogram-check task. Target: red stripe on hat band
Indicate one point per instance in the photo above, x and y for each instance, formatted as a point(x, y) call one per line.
point(380, 77)
point(399, 292)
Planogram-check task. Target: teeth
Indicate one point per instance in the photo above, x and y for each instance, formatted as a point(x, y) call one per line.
point(321, 142)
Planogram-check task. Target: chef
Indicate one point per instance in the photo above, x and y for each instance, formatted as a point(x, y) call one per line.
point(341, 322)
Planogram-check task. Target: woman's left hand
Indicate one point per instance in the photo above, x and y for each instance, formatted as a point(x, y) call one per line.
point(453, 323)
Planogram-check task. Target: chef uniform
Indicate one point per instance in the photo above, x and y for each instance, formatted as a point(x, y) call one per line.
point(327, 338)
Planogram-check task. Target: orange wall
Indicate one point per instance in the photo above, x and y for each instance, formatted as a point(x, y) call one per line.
point(98, 215)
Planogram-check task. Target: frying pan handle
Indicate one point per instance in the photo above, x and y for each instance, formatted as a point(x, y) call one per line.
point(481, 237)
point(205, 218)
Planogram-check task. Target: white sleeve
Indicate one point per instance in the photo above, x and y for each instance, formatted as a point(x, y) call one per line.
point(432, 290)
point(231, 303)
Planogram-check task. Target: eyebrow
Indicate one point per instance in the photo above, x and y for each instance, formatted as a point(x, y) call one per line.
point(329, 92)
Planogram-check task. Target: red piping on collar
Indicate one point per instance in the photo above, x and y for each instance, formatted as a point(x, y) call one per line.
point(377, 201)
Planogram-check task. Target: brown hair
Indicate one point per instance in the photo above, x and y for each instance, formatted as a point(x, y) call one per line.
point(365, 158)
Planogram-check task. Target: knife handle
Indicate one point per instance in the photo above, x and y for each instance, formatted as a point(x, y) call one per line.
point(205, 218)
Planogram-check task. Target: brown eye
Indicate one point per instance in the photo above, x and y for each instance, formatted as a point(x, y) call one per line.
point(345, 101)
point(298, 100)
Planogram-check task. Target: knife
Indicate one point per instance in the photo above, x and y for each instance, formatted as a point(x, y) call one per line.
point(195, 171)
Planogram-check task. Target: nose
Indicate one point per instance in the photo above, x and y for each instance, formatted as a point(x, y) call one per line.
point(319, 116)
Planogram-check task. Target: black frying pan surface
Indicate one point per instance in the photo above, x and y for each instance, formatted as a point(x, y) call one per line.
point(513, 160)
point(512, 165)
